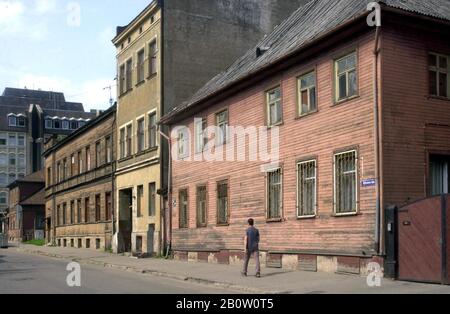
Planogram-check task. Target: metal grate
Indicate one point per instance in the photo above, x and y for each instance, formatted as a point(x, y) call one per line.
point(345, 183)
point(307, 188)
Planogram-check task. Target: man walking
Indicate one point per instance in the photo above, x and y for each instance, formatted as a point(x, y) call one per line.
point(251, 245)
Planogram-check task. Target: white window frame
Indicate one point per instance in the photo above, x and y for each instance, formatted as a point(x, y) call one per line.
point(48, 123)
point(183, 143)
point(308, 89)
point(226, 136)
point(356, 183)
point(346, 73)
point(267, 196)
point(299, 164)
point(12, 120)
point(275, 102)
point(201, 138)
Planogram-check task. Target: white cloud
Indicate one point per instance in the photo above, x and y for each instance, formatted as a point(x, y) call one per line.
point(45, 6)
point(10, 11)
point(92, 93)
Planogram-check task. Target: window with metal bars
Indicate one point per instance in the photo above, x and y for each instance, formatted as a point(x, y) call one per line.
point(274, 194)
point(222, 203)
point(306, 185)
point(345, 183)
point(201, 206)
point(183, 199)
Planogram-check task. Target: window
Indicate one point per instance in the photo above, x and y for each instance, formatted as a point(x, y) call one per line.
point(88, 158)
point(21, 161)
point(201, 206)
point(108, 144)
point(72, 165)
point(439, 175)
point(86, 210)
point(129, 74)
point(65, 124)
point(140, 200)
point(345, 183)
point(81, 123)
point(152, 130)
point(122, 143)
point(64, 214)
point(3, 198)
point(72, 212)
point(274, 194)
point(153, 57)
point(141, 135)
point(12, 121)
point(183, 143)
point(274, 109)
point(184, 220)
point(21, 122)
point(65, 169)
point(98, 154)
point(108, 206)
point(140, 66)
point(73, 125)
point(21, 140)
point(307, 93)
point(345, 77)
point(152, 199)
point(12, 141)
point(306, 188)
point(98, 208)
point(3, 160)
point(57, 124)
point(201, 136)
point(3, 139)
point(48, 124)
point(129, 140)
point(79, 211)
point(58, 215)
point(3, 179)
point(12, 160)
point(222, 203)
point(122, 79)
point(439, 66)
point(222, 127)
point(80, 163)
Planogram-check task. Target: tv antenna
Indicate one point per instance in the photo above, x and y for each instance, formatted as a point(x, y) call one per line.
point(111, 100)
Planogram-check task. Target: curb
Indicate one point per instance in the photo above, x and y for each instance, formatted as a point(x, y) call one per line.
point(155, 273)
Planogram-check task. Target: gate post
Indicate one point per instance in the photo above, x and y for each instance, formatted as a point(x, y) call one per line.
point(391, 232)
point(444, 257)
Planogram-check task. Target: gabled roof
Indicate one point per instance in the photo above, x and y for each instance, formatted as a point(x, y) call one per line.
point(305, 26)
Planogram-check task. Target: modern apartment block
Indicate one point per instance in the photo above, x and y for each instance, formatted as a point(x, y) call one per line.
point(27, 119)
point(164, 55)
point(358, 115)
point(79, 181)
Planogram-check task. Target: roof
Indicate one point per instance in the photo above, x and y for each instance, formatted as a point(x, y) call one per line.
point(37, 198)
point(83, 129)
point(305, 26)
point(37, 177)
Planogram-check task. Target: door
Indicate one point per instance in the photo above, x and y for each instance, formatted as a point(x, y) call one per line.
point(125, 220)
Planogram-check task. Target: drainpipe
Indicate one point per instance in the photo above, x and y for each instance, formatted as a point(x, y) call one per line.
point(378, 224)
point(169, 193)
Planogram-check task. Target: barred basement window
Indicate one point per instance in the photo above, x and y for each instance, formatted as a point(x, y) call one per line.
point(346, 77)
point(183, 199)
point(306, 185)
point(222, 203)
point(307, 93)
point(345, 183)
point(274, 109)
point(439, 67)
point(274, 194)
point(201, 206)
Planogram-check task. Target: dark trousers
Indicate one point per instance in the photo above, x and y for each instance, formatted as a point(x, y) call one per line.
point(247, 257)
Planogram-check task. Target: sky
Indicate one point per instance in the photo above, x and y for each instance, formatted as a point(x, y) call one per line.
point(63, 45)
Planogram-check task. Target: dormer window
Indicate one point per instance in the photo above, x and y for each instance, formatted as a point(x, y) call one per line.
point(65, 124)
point(57, 124)
point(12, 120)
point(48, 124)
point(73, 125)
point(21, 122)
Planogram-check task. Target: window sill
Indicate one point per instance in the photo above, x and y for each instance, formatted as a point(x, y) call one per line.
point(274, 220)
point(125, 159)
point(345, 100)
point(305, 115)
point(275, 125)
point(223, 225)
point(151, 76)
point(306, 217)
point(345, 214)
point(431, 97)
point(125, 93)
point(140, 83)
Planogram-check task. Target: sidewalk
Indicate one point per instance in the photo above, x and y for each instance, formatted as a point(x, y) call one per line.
point(225, 276)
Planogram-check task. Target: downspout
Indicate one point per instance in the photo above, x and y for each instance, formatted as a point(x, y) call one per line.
point(169, 193)
point(378, 225)
point(113, 178)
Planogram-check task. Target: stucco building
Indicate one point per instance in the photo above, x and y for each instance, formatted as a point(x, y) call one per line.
point(163, 56)
point(79, 196)
point(360, 120)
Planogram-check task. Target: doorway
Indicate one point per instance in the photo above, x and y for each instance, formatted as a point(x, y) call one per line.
point(125, 220)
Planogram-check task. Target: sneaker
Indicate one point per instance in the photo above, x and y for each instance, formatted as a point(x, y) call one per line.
point(258, 275)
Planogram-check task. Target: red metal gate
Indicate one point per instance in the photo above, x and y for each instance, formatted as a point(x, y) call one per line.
point(422, 241)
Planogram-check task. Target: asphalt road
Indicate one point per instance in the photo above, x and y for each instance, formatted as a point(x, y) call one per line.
point(30, 274)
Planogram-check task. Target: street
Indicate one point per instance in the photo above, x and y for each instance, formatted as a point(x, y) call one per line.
point(28, 274)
